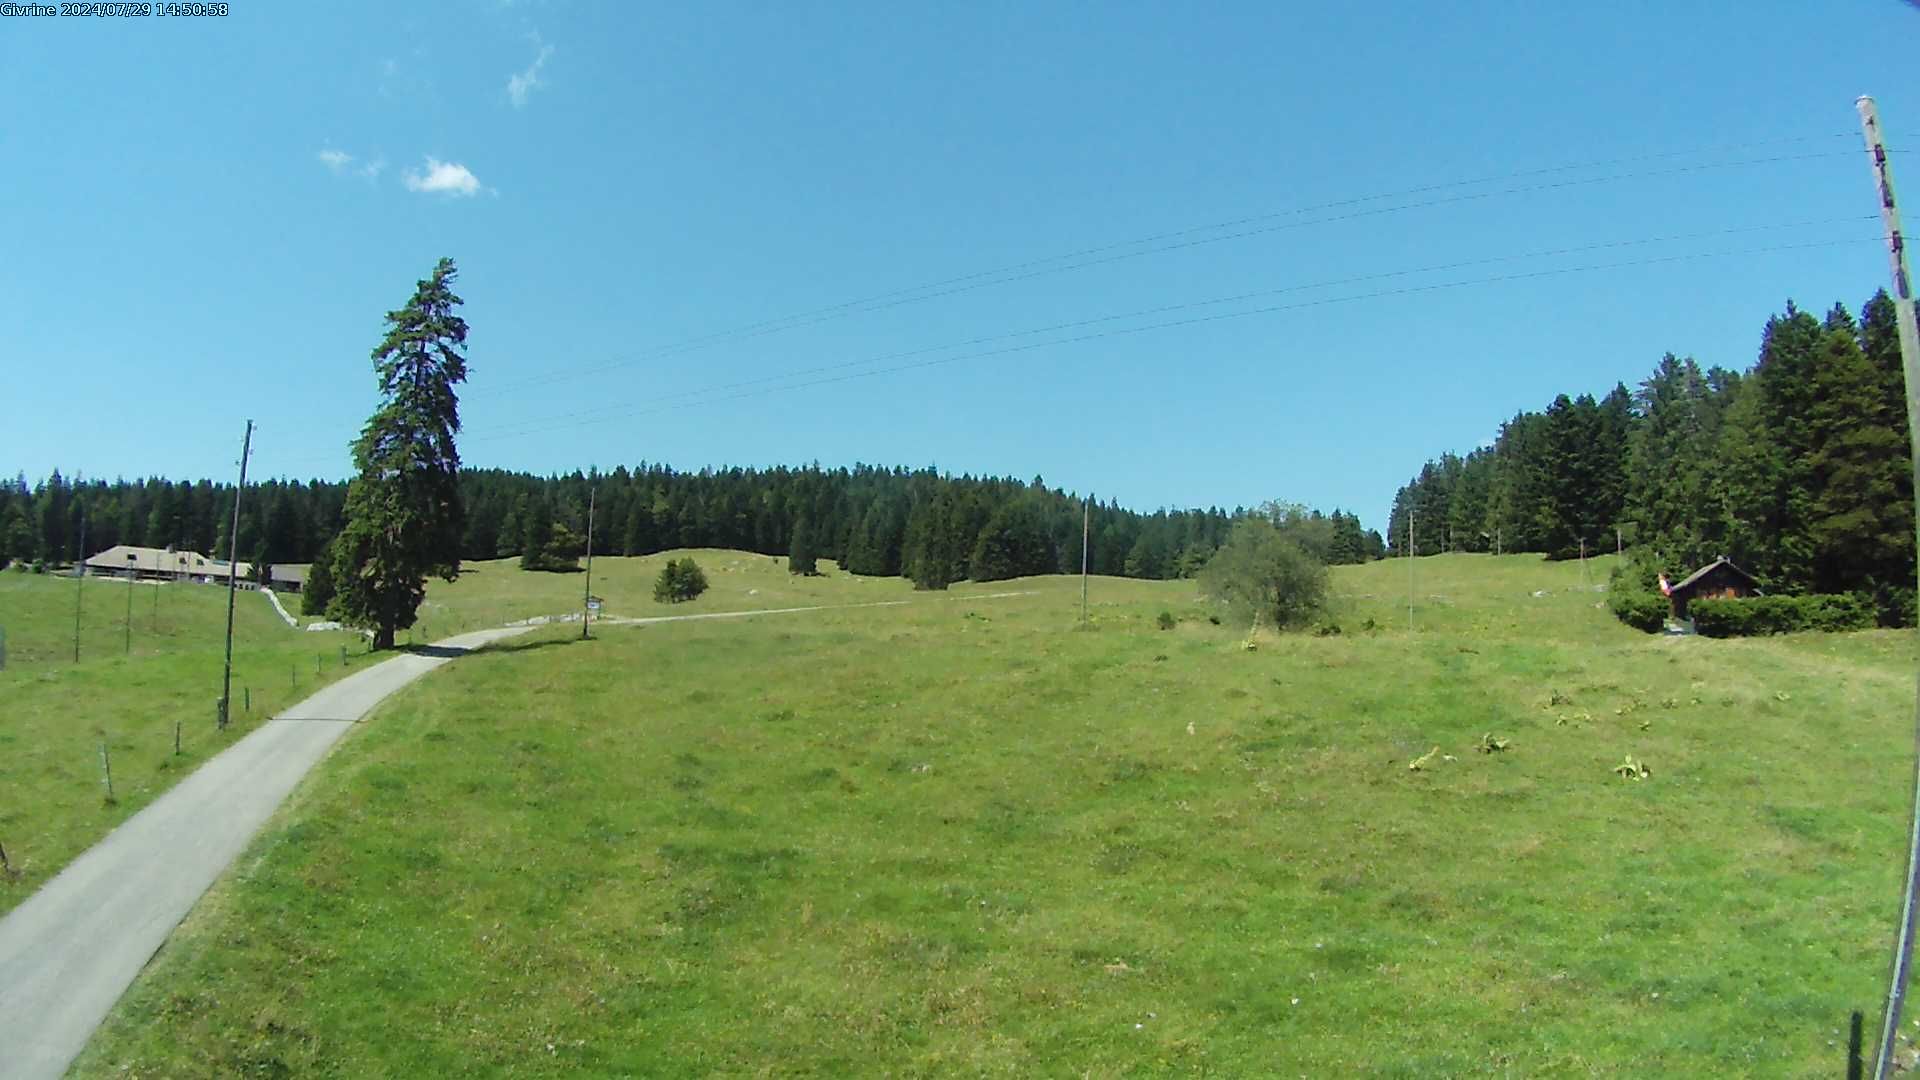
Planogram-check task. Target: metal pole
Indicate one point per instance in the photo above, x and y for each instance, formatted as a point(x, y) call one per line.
point(79, 577)
point(131, 574)
point(1086, 532)
point(233, 566)
point(1910, 367)
point(586, 601)
point(1409, 571)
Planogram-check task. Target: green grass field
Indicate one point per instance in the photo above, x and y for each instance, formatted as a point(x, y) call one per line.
point(960, 837)
point(54, 713)
point(497, 592)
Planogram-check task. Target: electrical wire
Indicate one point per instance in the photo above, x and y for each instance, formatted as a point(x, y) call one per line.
point(1144, 312)
point(1181, 239)
point(643, 410)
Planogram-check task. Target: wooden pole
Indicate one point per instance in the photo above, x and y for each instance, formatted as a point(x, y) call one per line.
point(1409, 571)
point(233, 577)
point(586, 601)
point(79, 577)
point(1086, 531)
point(1910, 367)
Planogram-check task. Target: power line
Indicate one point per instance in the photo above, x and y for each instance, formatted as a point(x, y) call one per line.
point(1180, 239)
point(1195, 320)
point(1167, 308)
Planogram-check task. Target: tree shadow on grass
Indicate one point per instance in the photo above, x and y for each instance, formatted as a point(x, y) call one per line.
point(516, 645)
point(445, 652)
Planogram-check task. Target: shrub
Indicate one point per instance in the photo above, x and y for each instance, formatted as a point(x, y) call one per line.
point(1896, 605)
point(1641, 610)
point(1757, 615)
point(1264, 575)
point(680, 579)
point(1633, 593)
point(1165, 620)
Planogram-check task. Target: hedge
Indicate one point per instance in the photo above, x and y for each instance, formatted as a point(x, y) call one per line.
point(1782, 614)
point(1640, 610)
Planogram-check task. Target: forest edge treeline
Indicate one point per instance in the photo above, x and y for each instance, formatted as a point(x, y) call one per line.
point(1797, 469)
point(922, 524)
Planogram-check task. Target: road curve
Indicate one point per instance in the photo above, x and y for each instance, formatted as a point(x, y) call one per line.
point(72, 948)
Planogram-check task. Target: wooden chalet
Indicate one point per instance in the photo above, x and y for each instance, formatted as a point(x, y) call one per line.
point(1719, 579)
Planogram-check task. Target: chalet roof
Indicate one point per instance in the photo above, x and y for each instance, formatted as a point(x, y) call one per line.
point(1695, 577)
point(146, 560)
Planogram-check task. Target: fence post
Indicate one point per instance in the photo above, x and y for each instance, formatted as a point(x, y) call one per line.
point(247, 697)
point(106, 766)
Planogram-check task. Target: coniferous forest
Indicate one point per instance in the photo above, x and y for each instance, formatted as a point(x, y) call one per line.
point(1796, 468)
point(933, 528)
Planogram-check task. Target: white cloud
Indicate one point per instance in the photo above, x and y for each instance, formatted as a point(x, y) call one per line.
point(442, 178)
point(372, 169)
point(524, 83)
point(335, 160)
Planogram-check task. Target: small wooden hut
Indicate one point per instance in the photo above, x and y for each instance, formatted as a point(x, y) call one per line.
point(1719, 579)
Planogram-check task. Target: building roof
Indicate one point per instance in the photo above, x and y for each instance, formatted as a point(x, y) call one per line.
point(122, 557)
point(1698, 575)
point(294, 572)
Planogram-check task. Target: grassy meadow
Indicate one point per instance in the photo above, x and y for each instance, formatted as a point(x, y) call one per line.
point(55, 713)
point(495, 592)
point(961, 836)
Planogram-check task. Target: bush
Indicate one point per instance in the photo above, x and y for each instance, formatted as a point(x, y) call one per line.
point(1641, 610)
point(1264, 575)
point(1166, 620)
point(680, 579)
point(1633, 593)
point(1757, 615)
point(1896, 605)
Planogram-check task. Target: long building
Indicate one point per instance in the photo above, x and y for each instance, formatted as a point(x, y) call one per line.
point(156, 564)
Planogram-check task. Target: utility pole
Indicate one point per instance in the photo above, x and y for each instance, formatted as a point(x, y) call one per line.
point(233, 567)
point(1583, 562)
point(586, 602)
point(79, 579)
point(1409, 571)
point(1086, 530)
point(132, 573)
point(1910, 366)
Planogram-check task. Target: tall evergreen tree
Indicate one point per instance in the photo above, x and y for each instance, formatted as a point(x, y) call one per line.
point(1860, 520)
point(403, 509)
point(802, 557)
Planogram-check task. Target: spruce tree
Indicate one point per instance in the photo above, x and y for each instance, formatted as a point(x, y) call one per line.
point(801, 556)
point(403, 518)
point(318, 591)
point(1860, 519)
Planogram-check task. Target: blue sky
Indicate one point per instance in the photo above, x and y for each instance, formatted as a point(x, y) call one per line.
point(203, 220)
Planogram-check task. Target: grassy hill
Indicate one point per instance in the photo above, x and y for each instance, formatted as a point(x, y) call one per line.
point(960, 836)
point(498, 591)
point(55, 713)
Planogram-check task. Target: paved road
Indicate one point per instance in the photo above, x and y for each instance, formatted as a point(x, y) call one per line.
point(71, 950)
